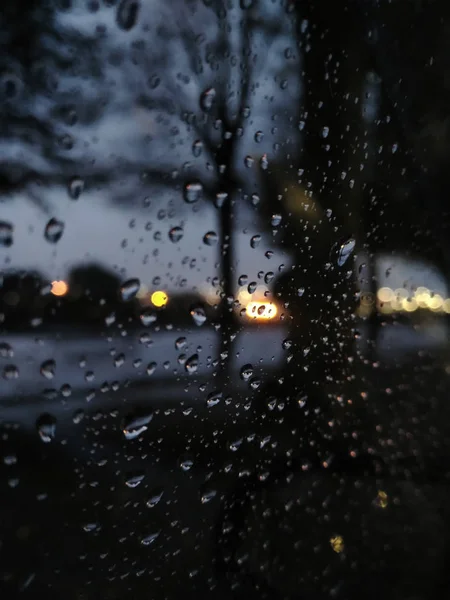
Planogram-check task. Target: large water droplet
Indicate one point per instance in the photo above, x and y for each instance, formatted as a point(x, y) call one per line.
point(220, 199)
point(6, 350)
point(149, 539)
point(197, 148)
point(255, 241)
point(246, 372)
point(6, 234)
point(46, 427)
point(155, 498)
point(48, 369)
point(207, 99)
point(129, 289)
point(207, 495)
point(127, 14)
point(53, 231)
point(186, 463)
point(134, 425)
point(193, 192)
point(345, 251)
point(198, 314)
point(180, 343)
point(275, 220)
point(148, 317)
point(213, 399)
point(175, 234)
point(191, 364)
point(210, 238)
point(76, 187)
point(134, 480)
point(10, 372)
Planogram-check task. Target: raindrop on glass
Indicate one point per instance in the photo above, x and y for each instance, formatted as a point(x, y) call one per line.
point(255, 241)
point(54, 231)
point(246, 372)
point(175, 234)
point(6, 234)
point(76, 188)
point(127, 14)
point(207, 99)
point(134, 425)
point(193, 192)
point(191, 364)
point(210, 238)
point(275, 220)
point(198, 314)
point(46, 427)
point(345, 250)
point(48, 369)
point(129, 289)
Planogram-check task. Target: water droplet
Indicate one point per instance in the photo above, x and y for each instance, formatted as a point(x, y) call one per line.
point(246, 372)
point(198, 315)
point(264, 162)
point(248, 161)
point(191, 364)
point(242, 279)
point(325, 132)
point(175, 234)
point(269, 276)
point(251, 288)
point(149, 539)
point(286, 344)
point(275, 220)
point(155, 498)
point(207, 99)
point(78, 416)
point(244, 4)
point(48, 369)
point(213, 399)
point(129, 289)
point(197, 148)
point(127, 14)
point(193, 192)
point(76, 188)
point(300, 291)
point(210, 238)
point(6, 350)
point(180, 343)
point(345, 251)
point(53, 231)
point(259, 136)
point(147, 317)
point(134, 425)
point(6, 234)
point(220, 199)
point(46, 427)
point(186, 463)
point(151, 368)
point(10, 372)
point(207, 496)
point(255, 241)
point(134, 480)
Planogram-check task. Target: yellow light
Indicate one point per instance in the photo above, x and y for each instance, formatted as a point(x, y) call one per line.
point(409, 304)
point(263, 311)
point(337, 543)
point(435, 302)
point(385, 294)
point(159, 299)
point(382, 499)
point(59, 288)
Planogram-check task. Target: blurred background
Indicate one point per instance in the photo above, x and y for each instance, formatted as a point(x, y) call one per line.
point(224, 299)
